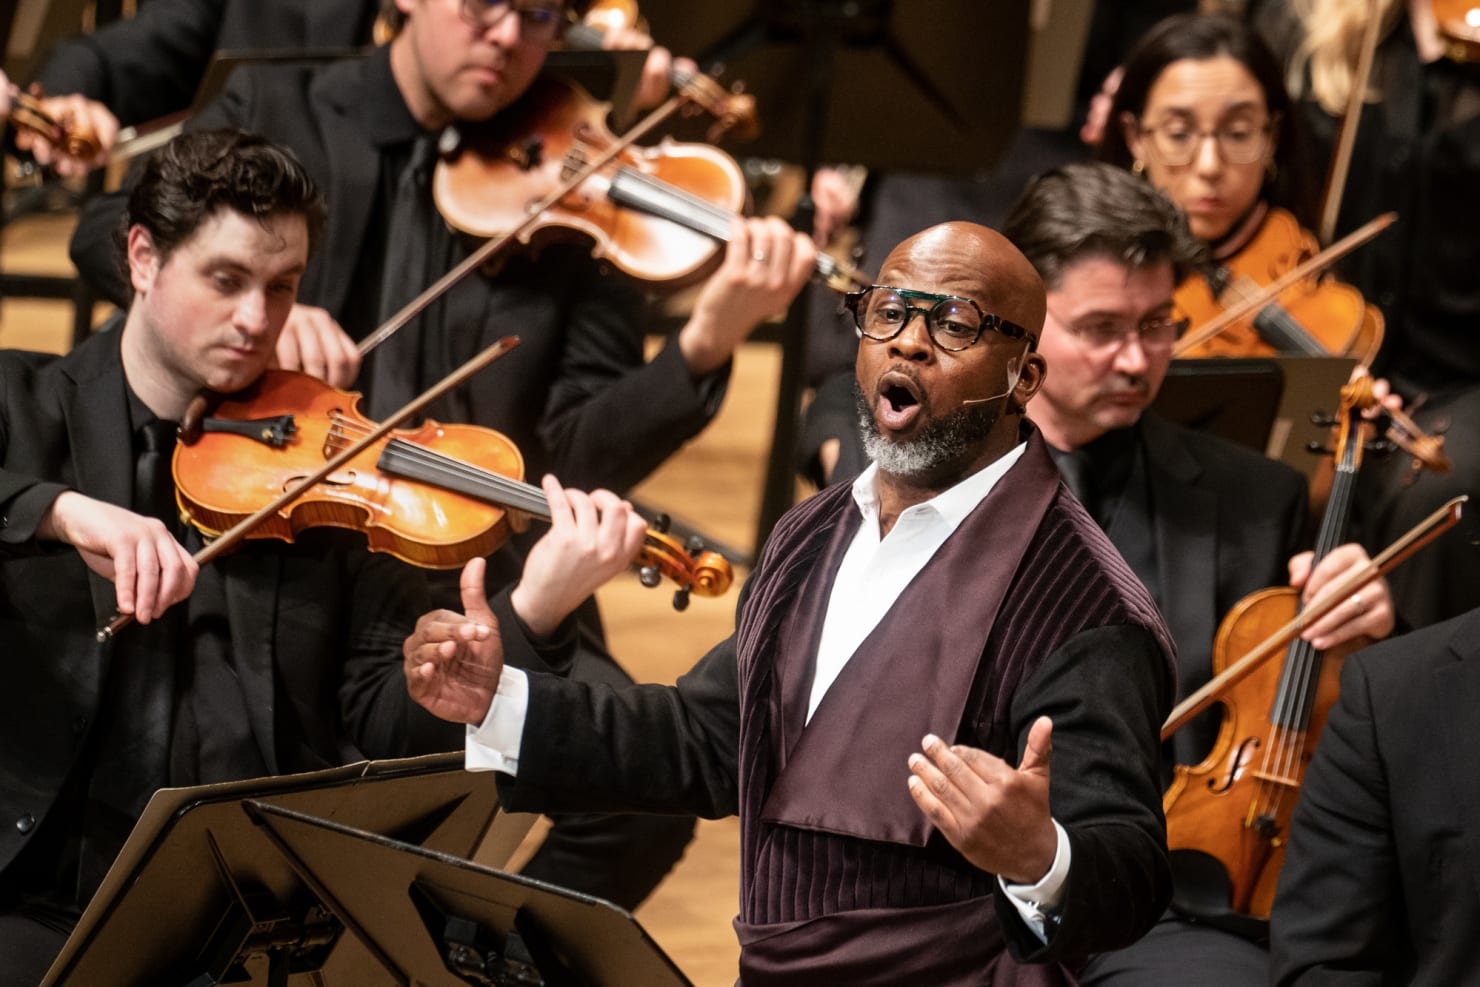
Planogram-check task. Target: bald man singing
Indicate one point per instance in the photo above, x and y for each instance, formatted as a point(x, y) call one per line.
point(937, 718)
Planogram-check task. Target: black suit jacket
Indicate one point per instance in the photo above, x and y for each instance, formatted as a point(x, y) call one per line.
point(1381, 883)
point(151, 64)
point(1226, 522)
point(576, 396)
point(315, 627)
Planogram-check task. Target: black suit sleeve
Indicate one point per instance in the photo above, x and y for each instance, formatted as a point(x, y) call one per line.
point(1106, 691)
point(144, 67)
point(645, 748)
point(1335, 917)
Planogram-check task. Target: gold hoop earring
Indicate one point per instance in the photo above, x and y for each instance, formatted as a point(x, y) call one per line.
point(1138, 167)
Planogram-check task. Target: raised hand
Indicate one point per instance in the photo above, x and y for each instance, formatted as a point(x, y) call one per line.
point(766, 264)
point(149, 569)
point(592, 538)
point(995, 815)
point(453, 660)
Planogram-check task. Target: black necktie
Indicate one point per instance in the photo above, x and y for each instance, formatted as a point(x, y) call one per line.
point(408, 236)
point(154, 485)
point(1078, 474)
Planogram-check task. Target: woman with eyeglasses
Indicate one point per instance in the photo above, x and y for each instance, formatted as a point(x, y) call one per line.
point(1202, 112)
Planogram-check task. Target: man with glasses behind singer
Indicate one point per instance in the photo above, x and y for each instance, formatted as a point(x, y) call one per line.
point(1202, 522)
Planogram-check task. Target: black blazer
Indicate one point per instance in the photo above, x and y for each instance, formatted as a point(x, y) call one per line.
point(315, 626)
point(151, 64)
point(1226, 522)
point(1381, 883)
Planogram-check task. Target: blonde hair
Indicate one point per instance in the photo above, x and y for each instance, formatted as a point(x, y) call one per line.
point(1332, 46)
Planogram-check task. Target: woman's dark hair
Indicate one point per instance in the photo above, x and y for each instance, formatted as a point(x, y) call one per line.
point(190, 179)
point(1200, 37)
point(1095, 209)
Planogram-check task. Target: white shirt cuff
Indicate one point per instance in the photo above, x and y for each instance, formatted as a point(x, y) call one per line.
point(1035, 902)
point(493, 745)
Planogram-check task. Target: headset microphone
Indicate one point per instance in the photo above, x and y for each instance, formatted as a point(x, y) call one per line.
point(1012, 382)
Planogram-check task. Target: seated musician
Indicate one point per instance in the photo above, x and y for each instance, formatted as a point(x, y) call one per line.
point(1025, 827)
point(274, 659)
point(1202, 522)
point(577, 397)
point(1381, 883)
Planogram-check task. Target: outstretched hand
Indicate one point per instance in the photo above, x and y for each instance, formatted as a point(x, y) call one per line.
point(453, 660)
point(995, 815)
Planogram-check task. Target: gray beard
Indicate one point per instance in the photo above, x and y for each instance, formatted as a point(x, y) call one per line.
point(940, 443)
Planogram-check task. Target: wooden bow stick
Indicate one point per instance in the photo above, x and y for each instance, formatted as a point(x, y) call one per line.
point(1420, 535)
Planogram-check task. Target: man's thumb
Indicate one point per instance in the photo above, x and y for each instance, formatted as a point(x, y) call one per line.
point(1040, 746)
point(474, 598)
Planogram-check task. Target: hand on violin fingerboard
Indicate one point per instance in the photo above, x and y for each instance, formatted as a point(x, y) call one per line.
point(996, 815)
point(592, 538)
point(1367, 612)
point(453, 660)
point(657, 71)
point(149, 569)
point(766, 264)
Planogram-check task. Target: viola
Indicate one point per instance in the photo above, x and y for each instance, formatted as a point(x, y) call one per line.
point(434, 496)
point(1316, 316)
point(658, 213)
point(1235, 806)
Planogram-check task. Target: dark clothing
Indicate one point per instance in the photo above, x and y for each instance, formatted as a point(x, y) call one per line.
point(150, 65)
point(1381, 883)
point(840, 871)
point(286, 659)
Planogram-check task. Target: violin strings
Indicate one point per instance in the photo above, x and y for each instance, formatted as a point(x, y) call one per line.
point(1303, 666)
point(502, 489)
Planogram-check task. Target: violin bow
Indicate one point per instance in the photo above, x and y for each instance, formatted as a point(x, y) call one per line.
point(1305, 269)
point(494, 245)
point(229, 538)
point(1414, 539)
point(1346, 139)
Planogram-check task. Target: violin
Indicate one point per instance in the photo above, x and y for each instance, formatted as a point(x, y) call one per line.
point(74, 138)
point(434, 496)
point(1316, 316)
point(1234, 808)
point(657, 213)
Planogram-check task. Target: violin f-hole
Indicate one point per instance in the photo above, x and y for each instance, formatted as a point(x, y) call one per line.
point(1241, 757)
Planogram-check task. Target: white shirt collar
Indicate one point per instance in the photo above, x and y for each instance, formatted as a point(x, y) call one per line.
point(952, 504)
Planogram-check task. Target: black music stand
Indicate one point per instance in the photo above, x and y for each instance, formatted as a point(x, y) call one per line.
point(924, 85)
point(199, 895)
point(432, 918)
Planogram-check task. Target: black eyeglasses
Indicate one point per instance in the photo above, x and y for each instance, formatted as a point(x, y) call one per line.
point(881, 312)
point(539, 20)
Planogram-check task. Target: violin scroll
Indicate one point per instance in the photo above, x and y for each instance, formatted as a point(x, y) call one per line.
point(75, 138)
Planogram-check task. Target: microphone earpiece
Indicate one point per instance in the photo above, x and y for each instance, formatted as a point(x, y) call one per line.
point(1013, 376)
